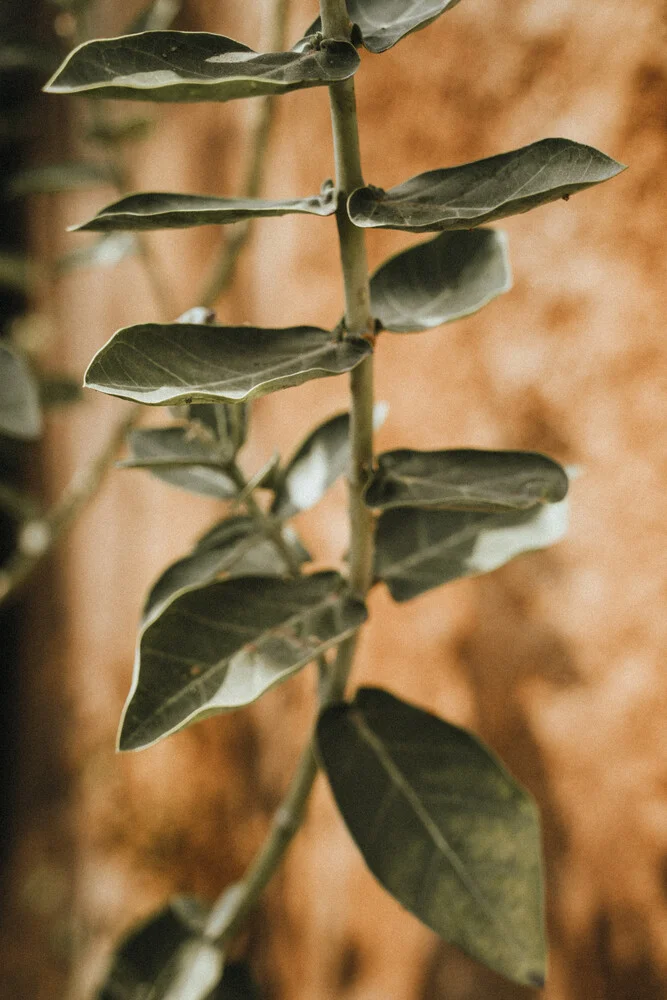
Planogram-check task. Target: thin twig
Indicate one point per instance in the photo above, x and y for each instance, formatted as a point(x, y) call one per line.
point(85, 484)
point(37, 537)
point(223, 270)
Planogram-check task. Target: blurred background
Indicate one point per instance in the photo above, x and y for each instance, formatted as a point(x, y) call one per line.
point(556, 660)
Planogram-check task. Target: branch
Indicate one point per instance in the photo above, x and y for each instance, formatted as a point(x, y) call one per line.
point(223, 270)
point(234, 906)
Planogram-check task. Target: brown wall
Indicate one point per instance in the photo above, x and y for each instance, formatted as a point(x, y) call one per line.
point(556, 660)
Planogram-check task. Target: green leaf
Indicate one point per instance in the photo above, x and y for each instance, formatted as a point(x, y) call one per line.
point(442, 826)
point(439, 281)
point(54, 178)
point(195, 66)
point(164, 959)
point(417, 550)
point(222, 646)
point(56, 389)
point(105, 252)
point(17, 56)
point(181, 457)
point(465, 479)
point(180, 363)
point(234, 547)
point(18, 272)
point(180, 211)
point(317, 463)
point(382, 23)
point(115, 133)
point(314, 467)
point(20, 415)
point(467, 196)
point(238, 984)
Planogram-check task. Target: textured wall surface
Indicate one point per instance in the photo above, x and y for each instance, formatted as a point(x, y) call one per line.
point(557, 660)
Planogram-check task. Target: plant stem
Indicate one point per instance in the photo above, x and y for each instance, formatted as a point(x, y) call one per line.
point(224, 268)
point(38, 536)
point(269, 526)
point(85, 483)
point(231, 910)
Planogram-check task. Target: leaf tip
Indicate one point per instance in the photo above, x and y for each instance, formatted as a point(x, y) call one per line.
point(536, 979)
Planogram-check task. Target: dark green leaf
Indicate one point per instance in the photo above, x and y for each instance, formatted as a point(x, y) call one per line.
point(16, 56)
point(234, 547)
point(105, 252)
point(56, 177)
point(315, 466)
point(114, 133)
point(195, 66)
point(237, 984)
point(382, 23)
point(17, 272)
point(179, 363)
point(59, 390)
point(441, 280)
point(181, 457)
point(466, 479)
point(442, 826)
point(222, 646)
point(20, 415)
point(467, 196)
point(180, 211)
point(421, 549)
point(159, 957)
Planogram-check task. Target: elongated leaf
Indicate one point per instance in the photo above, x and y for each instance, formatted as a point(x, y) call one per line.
point(382, 23)
point(224, 645)
point(441, 824)
point(181, 457)
point(165, 959)
point(115, 133)
point(108, 251)
point(467, 196)
point(180, 211)
point(439, 281)
point(58, 389)
point(466, 479)
point(315, 466)
point(17, 272)
point(17, 56)
point(421, 549)
point(53, 178)
point(180, 363)
point(20, 415)
point(195, 66)
point(317, 463)
point(234, 547)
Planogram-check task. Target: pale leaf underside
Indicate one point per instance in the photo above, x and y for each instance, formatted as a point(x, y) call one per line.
point(417, 550)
